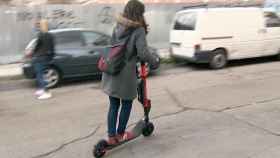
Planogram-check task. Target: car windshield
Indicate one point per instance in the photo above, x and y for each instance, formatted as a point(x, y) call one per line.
point(185, 21)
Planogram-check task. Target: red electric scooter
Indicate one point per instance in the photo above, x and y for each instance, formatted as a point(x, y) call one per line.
point(143, 127)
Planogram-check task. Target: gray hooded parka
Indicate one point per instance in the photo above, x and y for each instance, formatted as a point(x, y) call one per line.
point(124, 85)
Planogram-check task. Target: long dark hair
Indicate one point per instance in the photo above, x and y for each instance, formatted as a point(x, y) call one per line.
point(134, 10)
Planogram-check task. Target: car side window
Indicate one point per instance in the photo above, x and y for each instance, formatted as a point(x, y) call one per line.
point(68, 39)
point(95, 39)
point(272, 19)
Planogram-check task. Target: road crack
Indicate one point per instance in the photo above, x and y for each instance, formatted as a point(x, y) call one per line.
point(248, 105)
point(184, 109)
point(174, 98)
point(61, 147)
point(263, 151)
point(180, 106)
point(254, 126)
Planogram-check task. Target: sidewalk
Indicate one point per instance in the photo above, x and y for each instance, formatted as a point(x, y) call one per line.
point(10, 71)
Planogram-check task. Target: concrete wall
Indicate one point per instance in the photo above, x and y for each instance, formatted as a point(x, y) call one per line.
point(17, 26)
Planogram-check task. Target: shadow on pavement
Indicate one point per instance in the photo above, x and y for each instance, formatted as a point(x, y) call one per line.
point(235, 63)
point(96, 80)
point(80, 81)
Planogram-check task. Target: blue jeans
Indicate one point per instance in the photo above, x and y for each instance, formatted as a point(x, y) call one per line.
point(39, 68)
point(123, 116)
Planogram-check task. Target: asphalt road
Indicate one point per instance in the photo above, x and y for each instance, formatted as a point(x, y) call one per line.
point(198, 113)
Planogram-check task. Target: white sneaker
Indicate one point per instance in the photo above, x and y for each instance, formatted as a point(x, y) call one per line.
point(45, 95)
point(39, 92)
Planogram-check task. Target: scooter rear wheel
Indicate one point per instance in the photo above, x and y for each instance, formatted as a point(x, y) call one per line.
point(148, 129)
point(100, 149)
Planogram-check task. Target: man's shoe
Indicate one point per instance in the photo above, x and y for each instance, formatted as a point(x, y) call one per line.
point(39, 92)
point(45, 95)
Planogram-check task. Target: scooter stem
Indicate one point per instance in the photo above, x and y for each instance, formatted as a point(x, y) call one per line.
point(147, 102)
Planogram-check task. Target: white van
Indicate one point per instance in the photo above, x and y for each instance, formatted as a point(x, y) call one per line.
point(216, 35)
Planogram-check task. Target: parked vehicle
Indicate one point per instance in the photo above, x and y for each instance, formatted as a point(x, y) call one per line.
point(216, 35)
point(76, 55)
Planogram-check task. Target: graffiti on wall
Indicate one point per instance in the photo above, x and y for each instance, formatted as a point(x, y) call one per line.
point(61, 18)
point(106, 15)
point(22, 16)
point(58, 18)
point(100, 17)
point(65, 18)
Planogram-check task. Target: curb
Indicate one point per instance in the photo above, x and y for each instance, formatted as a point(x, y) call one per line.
point(12, 77)
point(11, 72)
point(164, 53)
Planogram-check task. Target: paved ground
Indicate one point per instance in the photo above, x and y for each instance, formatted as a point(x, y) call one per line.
point(198, 113)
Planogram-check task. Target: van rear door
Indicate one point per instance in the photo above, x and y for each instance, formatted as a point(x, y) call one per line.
point(271, 33)
point(183, 34)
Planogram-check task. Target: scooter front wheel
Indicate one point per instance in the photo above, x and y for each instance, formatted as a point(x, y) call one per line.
point(148, 129)
point(100, 149)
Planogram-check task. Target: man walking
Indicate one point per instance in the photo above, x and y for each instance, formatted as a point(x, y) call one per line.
point(42, 55)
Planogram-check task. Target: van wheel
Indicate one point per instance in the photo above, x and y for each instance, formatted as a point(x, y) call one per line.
point(218, 59)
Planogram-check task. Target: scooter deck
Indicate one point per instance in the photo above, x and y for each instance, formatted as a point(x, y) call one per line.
point(136, 131)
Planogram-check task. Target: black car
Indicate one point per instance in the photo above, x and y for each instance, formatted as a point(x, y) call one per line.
point(77, 53)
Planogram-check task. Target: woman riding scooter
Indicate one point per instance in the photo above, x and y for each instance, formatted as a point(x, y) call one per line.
point(122, 88)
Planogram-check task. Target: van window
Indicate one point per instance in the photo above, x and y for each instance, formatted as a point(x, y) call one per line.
point(272, 19)
point(185, 21)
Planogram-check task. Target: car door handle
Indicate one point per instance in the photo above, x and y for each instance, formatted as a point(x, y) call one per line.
point(93, 52)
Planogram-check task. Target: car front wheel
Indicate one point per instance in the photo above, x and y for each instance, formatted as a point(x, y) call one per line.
point(52, 77)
